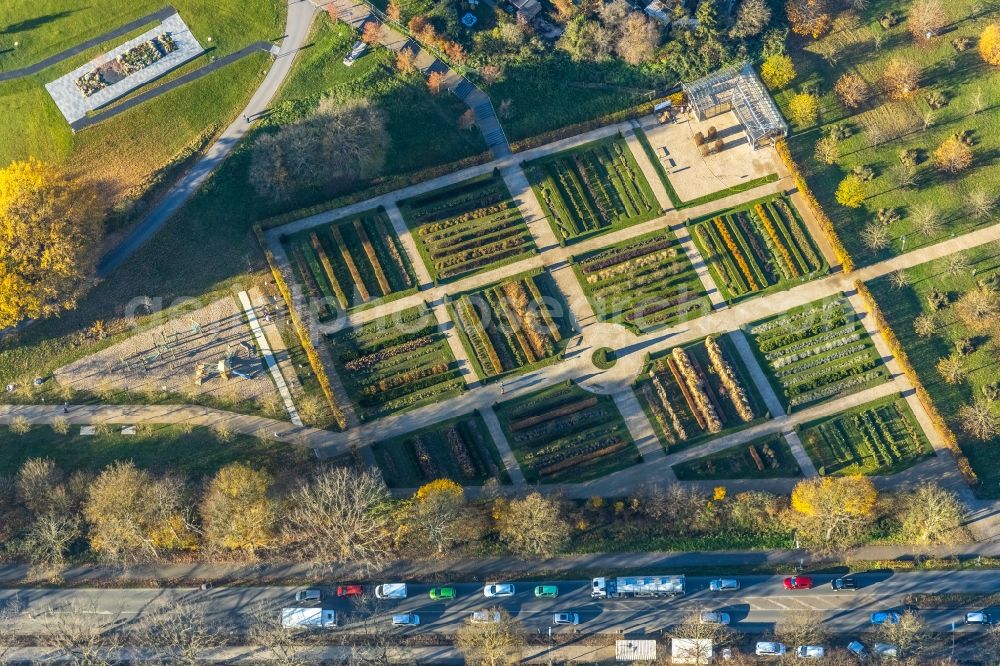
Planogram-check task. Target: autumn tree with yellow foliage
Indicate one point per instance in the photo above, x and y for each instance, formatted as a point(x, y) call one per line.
point(237, 512)
point(50, 227)
point(439, 517)
point(777, 71)
point(989, 44)
point(833, 512)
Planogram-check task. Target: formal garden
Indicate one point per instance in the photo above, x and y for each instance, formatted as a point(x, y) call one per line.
point(881, 437)
point(644, 283)
point(468, 227)
point(817, 352)
point(592, 189)
point(566, 434)
point(350, 262)
point(698, 391)
point(395, 363)
point(757, 247)
point(460, 449)
point(513, 325)
point(765, 458)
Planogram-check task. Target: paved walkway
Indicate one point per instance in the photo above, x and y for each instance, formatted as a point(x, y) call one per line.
point(503, 446)
point(272, 365)
point(799, 452)
point(764, 388)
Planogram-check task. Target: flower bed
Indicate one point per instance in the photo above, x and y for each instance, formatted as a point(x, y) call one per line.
point(129, 62)
point(592, 189)
point(765, 458)
point(467, 228)
point(350, 262)
point(565, 434)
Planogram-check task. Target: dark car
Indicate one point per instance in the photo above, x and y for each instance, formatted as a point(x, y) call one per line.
point(798, 583)
point(844, 584)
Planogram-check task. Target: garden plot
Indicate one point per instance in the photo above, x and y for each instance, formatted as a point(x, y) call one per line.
point(697, 391)
point(460, 449)
point(512, 325)
point(566, 434)
point(644, 283)
point(765, 458)
point(350, 262)
point(592, 189)
point(762, 245)
point(881, 437)
point(395, 363)
point(468, 227)
point(817, 352)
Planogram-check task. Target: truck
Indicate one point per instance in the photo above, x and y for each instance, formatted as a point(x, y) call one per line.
point(391, 591)
point(308, 618)
point(637, 586)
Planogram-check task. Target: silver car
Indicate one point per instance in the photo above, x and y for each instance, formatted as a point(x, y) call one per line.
point(566, 618)
point(406, 619)
point(484, 617)
point(810, 652)
point(498, 590)
point(724, 585)
point(714, 617)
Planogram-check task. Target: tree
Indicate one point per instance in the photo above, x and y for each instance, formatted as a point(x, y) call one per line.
point(752, 17)
point(899, 279)
point(777, 71)
point(532, 526)
point(932, 515)
point(699, 635)
point(909, 635)
point(585, 39)
point(81, 636)
point(852, 90)
point(342, 143)
point(283, 645)
point(926, 219)
point(467, 120)
point(50, 230)
point(36, 484)
point(827, 150)
point(832, 512)
point(638, 38)
point(343, 515)
point(406, 61)
point(436, 82)
point(953, 156)
point(952, 369)
point(394, 11)
point(979, 309)
point(926, 18)
point(804, 109)
point(989, 44)
point(804, 627)
point(808, 17)
point(675, 506)
point(437, 515)
point(900, 78)
point(371, 33)
point(982, 203)
point(179, 632)
point(925, 325)
point(491, 643)
point(978, 420)
point(237, 512)
point(851, 192)
point(957, 264)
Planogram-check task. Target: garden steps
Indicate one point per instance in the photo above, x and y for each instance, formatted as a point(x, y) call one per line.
point(799, 451)
point(503, 446)
point(648, 170)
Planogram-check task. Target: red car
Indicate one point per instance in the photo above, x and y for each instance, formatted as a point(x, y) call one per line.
point(349, 591)
point(798, 583)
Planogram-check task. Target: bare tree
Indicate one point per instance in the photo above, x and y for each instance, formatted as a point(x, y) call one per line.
point(802, 628)
point(957, 264)
point(491, 643)
point(699, 639)
point(675, 506)
point(48, 539)
point(179, 633)
point(982, 203)
point(827, 150)
point(83, 636)
point(909, 635)
point(979, 308)
point(979, 420)
point(875, 237)
point(925, 325)
point(932, 515)
point(926, 19)
point(533, 526)
point(903, 175)
point(899, 279)
point(926, 219)
point(952, 369)
point(751, 19)
point(638, 38)
point(9, 611)
point(36, 482)
point(284, 645)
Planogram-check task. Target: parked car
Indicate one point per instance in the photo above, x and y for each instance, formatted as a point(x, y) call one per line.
point(546, 591)
point(845, 583)
point(714, 617)
point(770, 649)
point(798, 583)
point(442, 593)
point(566, 618)
point(810, 652)
point(978, 617)
point(312, 594)
point(350, 591)
point(498, 590)
point(885, 617)
point(885, 650)
point(858, 649)
point(482, 617)
point(724, 585)
point(406, 620)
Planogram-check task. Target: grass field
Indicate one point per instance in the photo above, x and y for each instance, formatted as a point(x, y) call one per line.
point(566, 434)
point(643, 283)
point(460, 449)
point(882, 437)
point(765, 458)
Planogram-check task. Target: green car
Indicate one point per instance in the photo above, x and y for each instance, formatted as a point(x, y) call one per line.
point(546, 591)
point(442, 593)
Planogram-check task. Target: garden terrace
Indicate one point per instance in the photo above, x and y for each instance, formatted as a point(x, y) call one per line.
point(816, 353)
point(758, 247)
point(395, 363)
point(765, 458)
point(738, 89)
point(566, 434)
point(468, 227)
point(698, 391)
point(460, 449)
point(882, 437)
point(644, 283)
point(513, 325)
point(351, 262)
point(592, 189)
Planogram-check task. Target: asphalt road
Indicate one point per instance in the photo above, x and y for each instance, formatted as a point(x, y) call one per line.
point(761, 601)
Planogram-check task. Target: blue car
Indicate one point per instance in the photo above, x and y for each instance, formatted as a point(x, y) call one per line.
point(885, 617)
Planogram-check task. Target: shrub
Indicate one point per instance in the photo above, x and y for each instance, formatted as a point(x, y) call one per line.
point(719, 145)
point(699, 138)
point(953, 156)
point(851, 192)
point(901, 78)
point(852, 90)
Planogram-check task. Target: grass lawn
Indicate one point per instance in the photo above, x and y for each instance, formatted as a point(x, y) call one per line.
point(738, 462)
point(882, 437)
point(961, 77)
point(566, 434)
point(460, 449)
point(902, 306)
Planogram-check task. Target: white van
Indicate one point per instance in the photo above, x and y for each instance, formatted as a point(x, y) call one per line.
point(770, 649)
point(391, 591)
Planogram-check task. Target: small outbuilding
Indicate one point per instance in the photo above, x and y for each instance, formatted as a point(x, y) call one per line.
point(635, 650)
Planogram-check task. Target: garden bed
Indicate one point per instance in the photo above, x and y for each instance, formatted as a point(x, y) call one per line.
point(644, 283)
point(460, 449)
point(758, 247)
point(592, 189)
point(566, 434)
point(765, 458)
point(395, 363)
point(881, 437)
point(468, 227)
point(351, 262)
point(817, 352)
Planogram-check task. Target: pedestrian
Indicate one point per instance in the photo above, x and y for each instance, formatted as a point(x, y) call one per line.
point(66, 407)
point(501, 388)
point(246, 119)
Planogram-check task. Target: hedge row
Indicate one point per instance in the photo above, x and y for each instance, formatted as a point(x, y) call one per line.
point(302, 331)
point(944, 430)
point(825, 223)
